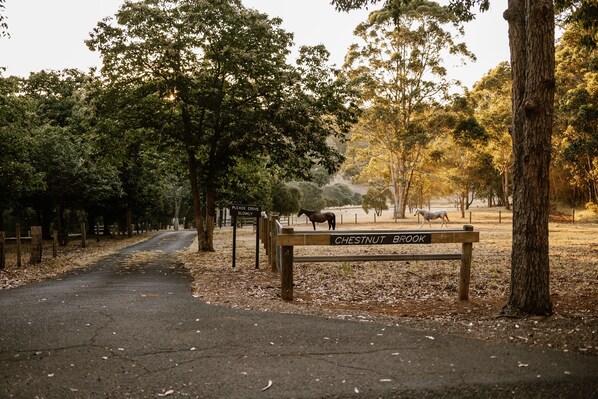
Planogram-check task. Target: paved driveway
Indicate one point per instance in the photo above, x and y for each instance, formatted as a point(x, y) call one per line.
point(129, 327)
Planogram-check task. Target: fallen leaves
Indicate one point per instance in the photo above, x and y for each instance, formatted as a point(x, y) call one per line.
point(69, 258)
point(422, 294)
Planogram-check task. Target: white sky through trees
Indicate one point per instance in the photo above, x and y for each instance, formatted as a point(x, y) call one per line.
point(50, 34)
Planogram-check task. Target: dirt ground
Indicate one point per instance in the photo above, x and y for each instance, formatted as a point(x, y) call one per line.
point(420, 294)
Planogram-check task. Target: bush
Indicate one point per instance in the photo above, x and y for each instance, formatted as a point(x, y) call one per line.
point(340, 195)
point(591, 206)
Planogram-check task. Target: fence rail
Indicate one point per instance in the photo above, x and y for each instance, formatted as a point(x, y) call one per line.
point(280, 242)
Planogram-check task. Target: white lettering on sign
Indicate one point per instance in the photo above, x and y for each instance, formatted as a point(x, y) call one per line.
point(410, 239)
point(246, 210)
point(359, 240)
point(379, 239)
point(245, 213)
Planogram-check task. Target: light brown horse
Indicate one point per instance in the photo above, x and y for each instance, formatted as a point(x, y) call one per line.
point(319, 217)
point(432, 215)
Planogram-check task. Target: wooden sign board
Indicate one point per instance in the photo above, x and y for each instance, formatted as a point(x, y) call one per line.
point(380, 239)
point(253, 211)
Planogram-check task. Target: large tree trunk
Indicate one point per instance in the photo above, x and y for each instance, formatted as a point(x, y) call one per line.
point(208, 236)
point(531, 41)
point(395, 186)
point(192, 164)
point(193, 167)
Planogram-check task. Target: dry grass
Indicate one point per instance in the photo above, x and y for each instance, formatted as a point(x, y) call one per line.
point(423, 293)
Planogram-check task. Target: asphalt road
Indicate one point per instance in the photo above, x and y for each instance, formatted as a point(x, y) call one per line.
point(128, 327)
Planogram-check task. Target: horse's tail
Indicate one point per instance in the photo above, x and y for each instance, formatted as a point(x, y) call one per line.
point(333, 221)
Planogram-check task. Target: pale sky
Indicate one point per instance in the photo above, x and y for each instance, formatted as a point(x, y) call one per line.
point(50, 34)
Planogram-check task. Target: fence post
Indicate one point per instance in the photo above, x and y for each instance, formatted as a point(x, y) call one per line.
point(36, 244)
point(2, 250)
point(18, 234)
point(97, 231)
point(286, 275)
point(83, 236)
point(374, 216)
point(573, 217)
point(469, 217)
point(465, 273)
point(355, 218)
point(273, 242)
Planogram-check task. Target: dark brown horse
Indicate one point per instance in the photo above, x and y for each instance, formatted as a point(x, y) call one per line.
point(319, 217)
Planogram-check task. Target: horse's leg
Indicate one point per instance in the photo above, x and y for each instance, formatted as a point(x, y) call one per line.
point(314, 223)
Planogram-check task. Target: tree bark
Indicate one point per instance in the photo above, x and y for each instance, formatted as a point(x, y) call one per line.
point(208, 236)
point(192, 165)
point(531, 41)
point(193, 178)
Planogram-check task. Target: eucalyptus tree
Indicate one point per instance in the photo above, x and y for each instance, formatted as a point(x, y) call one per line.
point(576, 128)
point(400, 69)
point(531, 43)
point(213, 79)
point(491, 97)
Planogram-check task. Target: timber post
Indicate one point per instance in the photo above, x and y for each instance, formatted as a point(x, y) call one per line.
point(36, 244)
point(266, 235)
point(465, 273)
point(286, 275)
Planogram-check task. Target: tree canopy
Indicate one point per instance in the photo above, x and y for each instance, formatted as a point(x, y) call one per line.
point(400, 70)
point(213, 78)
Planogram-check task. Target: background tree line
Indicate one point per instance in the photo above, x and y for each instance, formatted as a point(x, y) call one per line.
point(196, 107)
point(413, 145)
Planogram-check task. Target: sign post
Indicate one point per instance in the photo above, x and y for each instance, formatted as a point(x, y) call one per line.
point(254, 211)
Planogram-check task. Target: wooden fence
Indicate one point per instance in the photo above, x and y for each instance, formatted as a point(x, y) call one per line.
point(280, 242)
point(36, 243)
